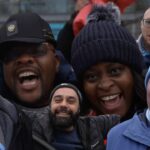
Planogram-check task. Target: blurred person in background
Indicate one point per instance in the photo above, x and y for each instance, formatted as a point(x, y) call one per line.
point(66, 35)
point(144, 39)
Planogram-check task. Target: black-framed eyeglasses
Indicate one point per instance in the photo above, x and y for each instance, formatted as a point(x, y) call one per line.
point(146, 22)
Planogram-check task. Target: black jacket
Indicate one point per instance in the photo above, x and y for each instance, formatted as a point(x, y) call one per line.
point(92, 131)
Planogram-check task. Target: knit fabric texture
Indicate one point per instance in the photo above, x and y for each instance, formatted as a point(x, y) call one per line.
point(104, 41)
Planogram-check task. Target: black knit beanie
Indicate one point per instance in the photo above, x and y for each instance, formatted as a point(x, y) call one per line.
point(68, 85)
point(103, 40)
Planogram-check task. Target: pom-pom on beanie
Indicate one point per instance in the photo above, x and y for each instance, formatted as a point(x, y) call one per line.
point(103, 40)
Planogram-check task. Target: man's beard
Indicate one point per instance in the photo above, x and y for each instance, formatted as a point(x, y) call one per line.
point(60, 122)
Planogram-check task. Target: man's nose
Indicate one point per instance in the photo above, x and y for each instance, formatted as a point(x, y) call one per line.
point(24, 58)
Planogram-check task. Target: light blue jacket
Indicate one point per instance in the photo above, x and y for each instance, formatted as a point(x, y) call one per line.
point(133, 134)
point(2, 147)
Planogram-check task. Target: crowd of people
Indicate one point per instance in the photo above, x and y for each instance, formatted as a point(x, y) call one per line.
point(97, 97)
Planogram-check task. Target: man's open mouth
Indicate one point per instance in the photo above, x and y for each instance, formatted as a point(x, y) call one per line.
point(27, 77)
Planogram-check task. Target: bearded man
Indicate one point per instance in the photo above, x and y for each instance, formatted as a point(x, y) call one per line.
point(66, 129)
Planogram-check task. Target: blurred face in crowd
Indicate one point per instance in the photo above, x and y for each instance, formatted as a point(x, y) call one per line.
point(29, 71)
point(148, 93)
point(64, 108)
point(145, 29)
point(109, 88)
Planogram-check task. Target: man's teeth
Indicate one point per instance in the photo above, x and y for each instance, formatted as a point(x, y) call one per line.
point(26, 74)
point(107, 98)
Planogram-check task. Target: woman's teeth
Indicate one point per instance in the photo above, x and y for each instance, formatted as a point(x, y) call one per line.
point(111, 97)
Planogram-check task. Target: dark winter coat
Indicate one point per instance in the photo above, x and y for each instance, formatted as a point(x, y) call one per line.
point(92, 130)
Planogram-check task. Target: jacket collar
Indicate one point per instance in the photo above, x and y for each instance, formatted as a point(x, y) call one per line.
point(138, 131)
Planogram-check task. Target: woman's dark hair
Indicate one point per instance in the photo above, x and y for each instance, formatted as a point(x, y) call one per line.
point(139, 96)
point(140, 92)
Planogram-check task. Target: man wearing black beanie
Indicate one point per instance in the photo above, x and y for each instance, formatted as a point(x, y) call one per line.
point(66, 130)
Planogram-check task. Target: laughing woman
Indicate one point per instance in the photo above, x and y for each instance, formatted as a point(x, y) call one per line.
point(108, 64)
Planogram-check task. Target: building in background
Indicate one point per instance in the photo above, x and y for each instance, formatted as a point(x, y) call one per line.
point(57, 12)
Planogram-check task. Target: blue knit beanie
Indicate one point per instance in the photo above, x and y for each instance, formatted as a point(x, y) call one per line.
point(103, 40)
point(147, 77)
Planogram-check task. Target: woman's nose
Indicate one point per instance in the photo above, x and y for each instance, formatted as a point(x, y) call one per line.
point(105, 84)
